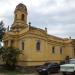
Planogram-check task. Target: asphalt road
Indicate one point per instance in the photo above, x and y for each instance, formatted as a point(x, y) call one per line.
point(31, 74)
point(51, 74)
point(57, 74)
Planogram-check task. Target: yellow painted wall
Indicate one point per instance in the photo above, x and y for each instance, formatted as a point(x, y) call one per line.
point(31, 56)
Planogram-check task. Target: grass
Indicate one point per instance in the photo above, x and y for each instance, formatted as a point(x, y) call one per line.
point(7, 72)
point(4, 70)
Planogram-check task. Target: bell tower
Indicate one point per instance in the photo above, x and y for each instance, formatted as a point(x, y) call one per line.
point(20, 17)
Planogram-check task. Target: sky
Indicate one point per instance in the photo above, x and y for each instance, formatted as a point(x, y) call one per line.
point(58, 16)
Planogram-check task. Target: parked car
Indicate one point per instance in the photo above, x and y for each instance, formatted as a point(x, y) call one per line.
point(68, 68)
point(49, 68)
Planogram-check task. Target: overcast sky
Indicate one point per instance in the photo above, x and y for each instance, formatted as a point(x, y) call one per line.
point(57, 15)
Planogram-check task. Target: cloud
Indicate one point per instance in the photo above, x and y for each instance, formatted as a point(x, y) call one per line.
point(57, 15)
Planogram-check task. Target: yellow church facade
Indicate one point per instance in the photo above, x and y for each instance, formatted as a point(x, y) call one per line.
point(36, 44)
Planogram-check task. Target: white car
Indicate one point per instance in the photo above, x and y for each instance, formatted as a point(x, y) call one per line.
point(69, 68)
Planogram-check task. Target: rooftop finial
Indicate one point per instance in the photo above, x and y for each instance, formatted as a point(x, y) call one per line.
point(70, 37)
point(29, 23)
point(8, 28)
point(45, 29)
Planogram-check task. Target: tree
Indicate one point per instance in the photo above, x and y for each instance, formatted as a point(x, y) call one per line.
point(2, 30)
point(10, 56)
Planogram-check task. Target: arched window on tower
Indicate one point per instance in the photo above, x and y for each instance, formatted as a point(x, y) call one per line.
point(22, 17)
point(38, 45)
point(16, 15)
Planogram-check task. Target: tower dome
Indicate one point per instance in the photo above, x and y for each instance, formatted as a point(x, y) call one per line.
point(20, 17)
point(21, 7)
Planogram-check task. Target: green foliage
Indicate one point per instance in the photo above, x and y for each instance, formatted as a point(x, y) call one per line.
point(1, 50)
point(10, 56)
point(2, 30)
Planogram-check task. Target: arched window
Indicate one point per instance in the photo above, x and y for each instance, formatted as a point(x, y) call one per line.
point(60, 50)
point(12, 43)
point(22, 17)
point(53, 49)
point(22, 45)
point(74, 51)
point(6, 43)
point(38, 45)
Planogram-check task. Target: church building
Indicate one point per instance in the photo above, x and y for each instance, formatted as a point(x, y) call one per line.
point(36, 44)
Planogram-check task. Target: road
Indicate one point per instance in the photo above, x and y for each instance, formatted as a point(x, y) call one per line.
point(29, 74)
point(57, 74)
point(51, 74)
